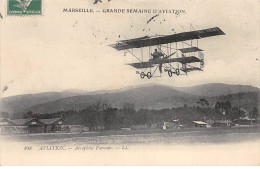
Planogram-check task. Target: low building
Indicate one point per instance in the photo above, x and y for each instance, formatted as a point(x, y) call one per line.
point(209, 122)
point(139, 126)
point(126, 129)
point(33, 125)
point(29, 125)
point(154, 125)
point(175, 124)
point(200, 124)
point(52, 125)
point(222, 123)
point(245, 121)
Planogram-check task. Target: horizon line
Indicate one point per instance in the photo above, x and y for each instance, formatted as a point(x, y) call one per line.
point(121, 89)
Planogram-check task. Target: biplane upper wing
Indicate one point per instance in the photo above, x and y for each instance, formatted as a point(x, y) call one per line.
point(151, 41)
point(182, 60)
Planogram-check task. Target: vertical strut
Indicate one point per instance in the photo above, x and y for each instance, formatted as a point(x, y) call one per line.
point(124, 56)
point(177, 54)
point(169, 52)
point(149, 52)
point(191, 30)
point(142, 54)
point(170, 48)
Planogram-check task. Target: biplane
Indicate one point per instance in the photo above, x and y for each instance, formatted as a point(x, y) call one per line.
point(168, 53)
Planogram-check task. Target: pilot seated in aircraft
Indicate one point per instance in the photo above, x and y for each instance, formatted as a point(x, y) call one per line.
point(156, 54)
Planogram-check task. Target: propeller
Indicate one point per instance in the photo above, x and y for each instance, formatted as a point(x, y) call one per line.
point(166, 57)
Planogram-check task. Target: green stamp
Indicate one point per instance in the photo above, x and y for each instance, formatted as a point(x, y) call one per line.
point(24, 7)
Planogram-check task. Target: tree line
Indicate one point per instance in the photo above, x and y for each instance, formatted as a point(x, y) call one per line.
point(101, 115)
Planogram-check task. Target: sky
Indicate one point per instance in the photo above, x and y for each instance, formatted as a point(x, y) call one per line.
point(60, 50)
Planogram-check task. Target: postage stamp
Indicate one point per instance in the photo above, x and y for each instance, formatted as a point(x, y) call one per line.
point(24, 7)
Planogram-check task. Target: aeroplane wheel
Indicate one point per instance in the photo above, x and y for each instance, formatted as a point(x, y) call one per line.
point(177, 72)
point(170, 73)
point(202, 63)
point(142, 75)
point(149, 75)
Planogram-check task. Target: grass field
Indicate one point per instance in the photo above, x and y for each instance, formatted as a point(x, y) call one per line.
point(235, 146)
point(148, 136)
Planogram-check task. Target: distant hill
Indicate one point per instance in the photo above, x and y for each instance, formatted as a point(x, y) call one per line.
point(149, 97)
point(217, 89)
point(18, 103)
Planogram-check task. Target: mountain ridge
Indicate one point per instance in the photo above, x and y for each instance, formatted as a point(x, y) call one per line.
point(152, 96)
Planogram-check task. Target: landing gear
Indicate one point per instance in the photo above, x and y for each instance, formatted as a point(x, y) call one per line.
point(142, 75)
point(149, 75)
point(202, 63)
point(170, 73)
point(177, 71)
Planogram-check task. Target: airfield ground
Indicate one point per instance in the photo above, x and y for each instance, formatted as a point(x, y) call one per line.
point(235, 146)
point(148, 136)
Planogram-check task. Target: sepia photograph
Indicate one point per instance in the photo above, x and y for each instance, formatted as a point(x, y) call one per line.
point(129, 83)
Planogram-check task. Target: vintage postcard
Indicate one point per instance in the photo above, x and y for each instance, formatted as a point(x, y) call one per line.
point(129, 82)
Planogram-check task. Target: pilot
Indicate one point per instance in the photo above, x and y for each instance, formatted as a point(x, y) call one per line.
point(156, 54)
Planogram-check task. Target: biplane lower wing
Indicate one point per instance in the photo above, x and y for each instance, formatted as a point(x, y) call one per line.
point(150, 63)
point(183, 60)
point(191, 49)
point(190, 69)
point(142, 65)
